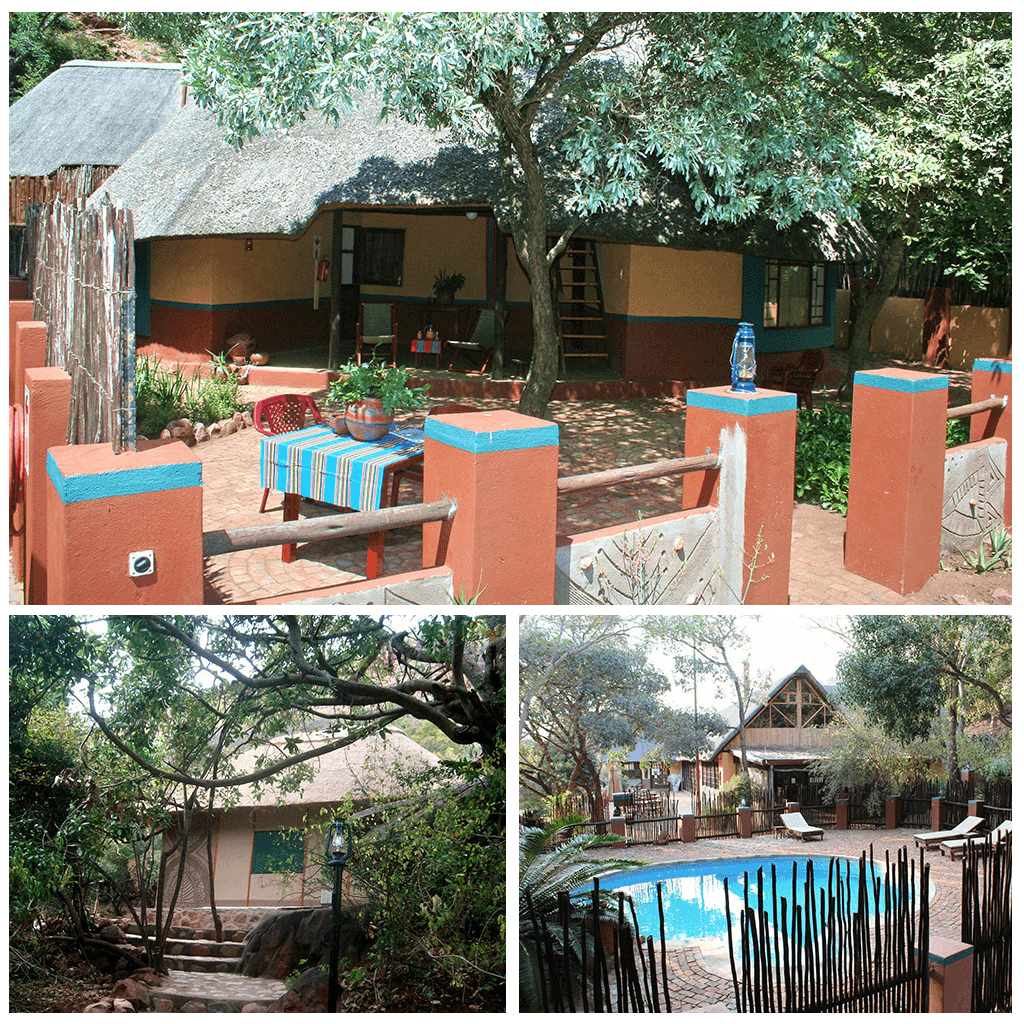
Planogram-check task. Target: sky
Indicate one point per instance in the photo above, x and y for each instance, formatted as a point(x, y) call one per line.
point(780, 643)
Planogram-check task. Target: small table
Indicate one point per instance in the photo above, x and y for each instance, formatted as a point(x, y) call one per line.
point(429, 346)
point(338, 470)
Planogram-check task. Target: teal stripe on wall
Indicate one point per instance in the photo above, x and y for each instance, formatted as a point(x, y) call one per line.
point(121, 483)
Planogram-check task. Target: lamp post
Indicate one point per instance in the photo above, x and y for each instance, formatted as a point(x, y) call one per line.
point(337, 851)
point(742, 361)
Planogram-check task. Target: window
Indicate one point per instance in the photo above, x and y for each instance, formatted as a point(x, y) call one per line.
point(380, 256)
point(277, 852)
point(794, 294)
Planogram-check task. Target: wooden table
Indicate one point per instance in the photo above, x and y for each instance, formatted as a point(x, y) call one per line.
point(318, 464)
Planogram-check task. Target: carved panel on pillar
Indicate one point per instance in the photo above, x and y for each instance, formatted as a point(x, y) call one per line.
point(973, 495)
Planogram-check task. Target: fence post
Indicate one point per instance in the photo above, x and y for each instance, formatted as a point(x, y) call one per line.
point(938, 814)
point(20, 312)
point(967, 777)
point(976, 808)
point(951, 975)
point(688, 828)
point(995, 377)
point(763, 529)
point(103, 508)
point(897, 469)
point(617, 826)
point(745, 822)
point(47, 402)
point(893, 812)
point(842, 814)
point(501, 469)
point(28, 348)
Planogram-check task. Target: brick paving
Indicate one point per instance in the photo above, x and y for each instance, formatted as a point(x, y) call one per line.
point(699, 976)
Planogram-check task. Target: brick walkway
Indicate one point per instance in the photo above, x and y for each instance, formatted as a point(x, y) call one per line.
point(700, 976)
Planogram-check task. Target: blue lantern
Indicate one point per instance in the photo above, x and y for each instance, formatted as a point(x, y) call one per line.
point(742, 361)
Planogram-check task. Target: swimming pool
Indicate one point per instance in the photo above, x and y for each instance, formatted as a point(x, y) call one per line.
point(693, 895)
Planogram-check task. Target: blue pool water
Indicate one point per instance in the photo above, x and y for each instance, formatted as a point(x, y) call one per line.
point(693, 895)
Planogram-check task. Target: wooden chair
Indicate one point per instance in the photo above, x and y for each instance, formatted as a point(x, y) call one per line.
point(377, 327)
point(416, 472)
point(477, 342)
point(799, 377)
point(282, 414)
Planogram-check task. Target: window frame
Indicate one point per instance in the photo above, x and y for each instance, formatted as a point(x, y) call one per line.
point(814, 314)
point(262, 857)
point(372, 268)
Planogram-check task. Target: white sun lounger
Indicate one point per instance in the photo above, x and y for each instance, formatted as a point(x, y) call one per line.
point(797, 826)
point(955, 847)
point(965, 828)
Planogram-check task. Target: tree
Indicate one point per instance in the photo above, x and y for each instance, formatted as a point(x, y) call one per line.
point(173, 700)
point(932, 92)
point(600, 110)
point(903, 670)
point(588, 692)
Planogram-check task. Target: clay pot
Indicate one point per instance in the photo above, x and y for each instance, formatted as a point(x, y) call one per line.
point(337, 422)
point(367, 421)
point(259, 359)
point(238, 360)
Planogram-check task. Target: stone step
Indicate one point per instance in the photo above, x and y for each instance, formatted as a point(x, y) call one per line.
point(199, 955)
point(202, 964)
point(214, 993)
point(200, 934)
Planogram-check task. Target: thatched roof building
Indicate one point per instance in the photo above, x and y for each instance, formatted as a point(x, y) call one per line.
point(268, 845)
point(188, 181)
point(91, 112)
point(365, 770)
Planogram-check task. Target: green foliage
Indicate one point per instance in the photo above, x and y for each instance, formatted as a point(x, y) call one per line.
point(164, 395)
point(1000, 554)
point(822, 474)
point(39, 43)
point(374, 380)
point(957, 432)
point(736, 790)
point(548, 867)
point(435, 880)
point(445, 282)
point(990, 756)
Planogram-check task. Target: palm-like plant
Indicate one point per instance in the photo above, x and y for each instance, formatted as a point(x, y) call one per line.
point(548, 867)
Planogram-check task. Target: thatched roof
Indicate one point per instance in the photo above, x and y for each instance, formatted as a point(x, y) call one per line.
point(365, 770)
point(187, 181)
point(91, 112)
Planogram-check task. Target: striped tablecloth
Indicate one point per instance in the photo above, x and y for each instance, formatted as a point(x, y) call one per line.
point(318, 464)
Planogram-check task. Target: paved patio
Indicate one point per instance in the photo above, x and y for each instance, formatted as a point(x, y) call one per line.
point(699, 976)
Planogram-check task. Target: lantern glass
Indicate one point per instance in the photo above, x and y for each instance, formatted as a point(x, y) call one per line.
point(743, 361)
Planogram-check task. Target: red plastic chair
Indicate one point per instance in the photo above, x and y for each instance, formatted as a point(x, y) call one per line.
point(281, 414)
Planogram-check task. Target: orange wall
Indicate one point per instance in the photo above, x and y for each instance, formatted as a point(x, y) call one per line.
point(663, 282)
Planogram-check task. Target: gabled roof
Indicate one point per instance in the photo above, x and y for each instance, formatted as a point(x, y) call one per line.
point(187, 181)
point(366, 769)
point(827, 692)
point(90, 112)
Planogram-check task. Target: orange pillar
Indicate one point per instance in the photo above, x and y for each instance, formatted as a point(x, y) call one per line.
point(28, 348)
point(842, 814)
point(767, 421)
point(109, 514)
point(745, 822)
point(897, 466)
point(20, 310)
point(47, 402)
point(501, 468)
point(951, 974)
point(994, 377)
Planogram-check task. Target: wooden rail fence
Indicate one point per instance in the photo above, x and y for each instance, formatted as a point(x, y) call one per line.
point(348, 524)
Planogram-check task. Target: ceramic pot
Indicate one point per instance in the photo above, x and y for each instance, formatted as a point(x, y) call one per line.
point(367, 421)
point(238, 360)
point(259, 359)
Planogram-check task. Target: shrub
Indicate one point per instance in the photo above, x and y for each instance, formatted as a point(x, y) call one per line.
point(823, 457)
point(165, 395)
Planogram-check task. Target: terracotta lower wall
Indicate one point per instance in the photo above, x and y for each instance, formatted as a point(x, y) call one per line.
point(666, 350)
point(192, 331)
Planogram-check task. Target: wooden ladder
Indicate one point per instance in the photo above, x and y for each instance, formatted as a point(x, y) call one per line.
point(580, 303)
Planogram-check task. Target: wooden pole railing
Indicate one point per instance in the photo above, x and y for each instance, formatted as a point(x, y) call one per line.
point(631, 474)
point(348, 524)
point(957, 412)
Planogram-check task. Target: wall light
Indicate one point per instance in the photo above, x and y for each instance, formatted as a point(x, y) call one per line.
point(471, 215)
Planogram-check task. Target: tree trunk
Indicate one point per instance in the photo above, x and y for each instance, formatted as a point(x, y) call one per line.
point(743, 710)
point(500, 282)
point(890, 260)
point(954, 714)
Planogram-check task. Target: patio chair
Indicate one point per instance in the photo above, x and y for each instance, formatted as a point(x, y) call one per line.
point(798, 377)
point(416, 472)
point(377, 327)
point(281, 414)
point(478, 341)
point(956, 847)
point(798, 827)
point(966, 827)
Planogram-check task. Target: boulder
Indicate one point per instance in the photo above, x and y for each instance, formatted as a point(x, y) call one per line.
point(134, 991)
point(103, 1006)
point(123, 1006)
point(112, 933)
point(162, 1005)
point(254, 1008)
point(200, 433)
point(194, 1006)
point(280, 942)
point(308, 994)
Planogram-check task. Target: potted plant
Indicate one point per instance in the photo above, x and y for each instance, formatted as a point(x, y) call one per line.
point(446, 285)
point(370, 395)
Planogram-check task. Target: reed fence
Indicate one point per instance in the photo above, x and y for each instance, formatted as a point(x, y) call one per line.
point(830, 953)
point(84, 290)
point(985, 923)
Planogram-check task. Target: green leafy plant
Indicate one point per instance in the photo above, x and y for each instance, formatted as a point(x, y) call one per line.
point(822, 474)
point(957, 432)
point(374, 380)
point(1001, 546)
point(447, 283)
point(164, 395)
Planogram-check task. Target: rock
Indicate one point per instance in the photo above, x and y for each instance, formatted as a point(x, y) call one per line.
point(308, 994)
point(254, 1008)
point(187, 424)
point(146, 976)
point(214, 430)
point(194, 1006)
point(134, 991)
point(123, 1006)
point(111, 933)
point(239, 419)
point(228, 427)
point(280, 942)
point(162, 1005)
point(200, 433)
point(103, 1006)
point(247, 418)
point(185, 434)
